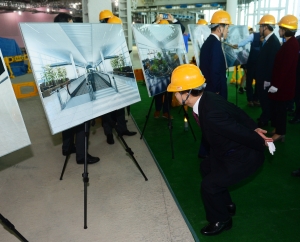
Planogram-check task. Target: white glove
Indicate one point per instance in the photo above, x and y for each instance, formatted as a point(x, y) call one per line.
point(273, 89)
point(266, 84)
point(271, 147)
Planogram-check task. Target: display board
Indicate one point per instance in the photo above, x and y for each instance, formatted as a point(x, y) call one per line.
point(161, 49)
point(199, 34)
point(82, 70)
point(14, 135)
point(234, 57)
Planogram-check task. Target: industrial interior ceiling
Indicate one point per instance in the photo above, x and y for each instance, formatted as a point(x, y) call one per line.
point(54, 6)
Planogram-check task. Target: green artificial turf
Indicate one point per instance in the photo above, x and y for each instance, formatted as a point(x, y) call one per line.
point(268, 203)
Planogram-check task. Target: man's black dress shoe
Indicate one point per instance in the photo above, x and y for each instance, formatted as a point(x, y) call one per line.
point(294, 121)
point(231, 209)
point(110, 139)
point(296, 173)
point(216, 228)
point(72, 150)
point(202, 156)
point(129, 133)
point(90, 160)
point(262, 124)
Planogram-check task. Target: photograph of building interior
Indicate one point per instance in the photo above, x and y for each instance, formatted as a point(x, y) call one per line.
point(211, 172)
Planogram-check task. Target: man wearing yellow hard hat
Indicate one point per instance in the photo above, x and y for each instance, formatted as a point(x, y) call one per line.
point(283, 82)
point(213, 63)
point(264, 65)
point(237, 146)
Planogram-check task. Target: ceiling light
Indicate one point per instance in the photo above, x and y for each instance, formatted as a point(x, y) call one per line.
point(20, 12)
point(71, 12)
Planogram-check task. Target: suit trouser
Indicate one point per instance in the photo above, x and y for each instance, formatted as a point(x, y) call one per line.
point(279, 115)
point(69, 138)
point(164, 104)
point(264, 101)
point(218, 176)
point(114, 119)
point(250, 91)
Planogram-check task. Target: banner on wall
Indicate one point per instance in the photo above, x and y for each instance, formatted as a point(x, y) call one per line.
point(82, 70)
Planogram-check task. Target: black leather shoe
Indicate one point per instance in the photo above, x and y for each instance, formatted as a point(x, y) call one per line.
point(294, 121)
point(202, 156)
point(72, 150)
point(90, 160)
point(110, 139)
point(296, 173)
point(262, 124)
point(129, 133)
point(231, 209)
point(216, 228)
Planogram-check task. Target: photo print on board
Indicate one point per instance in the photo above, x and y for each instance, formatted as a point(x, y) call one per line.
point(12, 127)
point(82, 70)
point(161, 49)
point(199, 33)
point(239, 56)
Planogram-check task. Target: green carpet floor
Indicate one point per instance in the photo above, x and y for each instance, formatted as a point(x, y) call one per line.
point(268, 203)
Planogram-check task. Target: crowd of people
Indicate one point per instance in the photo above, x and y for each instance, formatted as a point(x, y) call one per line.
point(233, 144)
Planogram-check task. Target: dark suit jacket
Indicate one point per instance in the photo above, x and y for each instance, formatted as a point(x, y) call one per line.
point(265, 61)
point(228, 130)
point(284, 71)
point(213, 66)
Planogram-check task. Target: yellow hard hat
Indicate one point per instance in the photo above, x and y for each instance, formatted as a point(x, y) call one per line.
point(186, 77)
point(202, 22)
point(221, 17)
point(163, 21)
point(267, 19)
point(289, 22)
point(105, 14)
point(114, 20)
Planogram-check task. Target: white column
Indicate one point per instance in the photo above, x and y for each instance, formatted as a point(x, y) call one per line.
point(94, 7)
point(231, 7)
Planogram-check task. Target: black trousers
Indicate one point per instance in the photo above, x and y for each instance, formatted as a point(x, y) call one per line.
point(264, 101)
point(219, 175)
point(279, 115)
point(163, 101)
point(114, 120)
point(76, 136)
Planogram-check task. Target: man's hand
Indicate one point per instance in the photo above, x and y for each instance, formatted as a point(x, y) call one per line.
point(158, 18)
point(235, 46)
point(170, 17)
point(262, 133)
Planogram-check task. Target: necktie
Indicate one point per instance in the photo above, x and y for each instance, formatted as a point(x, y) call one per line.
point(264, 42)
point(196, 118)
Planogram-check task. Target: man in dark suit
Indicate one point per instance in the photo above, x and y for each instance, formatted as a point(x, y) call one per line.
point(264, 65)
point(236, 145)
point(212, 57)
point(213, 63)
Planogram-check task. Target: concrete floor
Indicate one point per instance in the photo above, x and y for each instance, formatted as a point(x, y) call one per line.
point(122, 206)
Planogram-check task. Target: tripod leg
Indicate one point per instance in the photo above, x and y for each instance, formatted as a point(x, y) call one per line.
point(147, 118)
point(85, 174)
point(236, 86)
point(130, 152)
point(170, 126)
point(65, 165)
point(12, 228)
